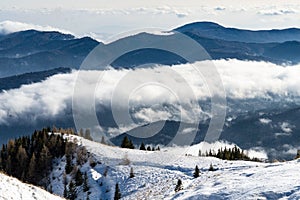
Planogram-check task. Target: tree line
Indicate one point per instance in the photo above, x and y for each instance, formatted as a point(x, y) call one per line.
point(127, 143)
point(233, 153)
point(29, 158)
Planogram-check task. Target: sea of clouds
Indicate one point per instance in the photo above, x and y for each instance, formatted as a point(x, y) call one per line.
point(164, 97)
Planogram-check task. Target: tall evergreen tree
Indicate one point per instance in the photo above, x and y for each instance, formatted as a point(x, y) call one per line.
point(22, 160)
point(81, 134)
point(72, 193)
point(32, 170)
point(117, 195)
point(3, 157)
point(131, 175)
point(126, 143)
point(8, 166)
point(69, 166)
point(78, 178)
point(142, 147)
point(44, 161)
point(85, 183)
point(88, 135)
point(65, 191)
point(103, 140)
point(178, 186)
point(211, 168)
point(131, 146)
point(197, 172)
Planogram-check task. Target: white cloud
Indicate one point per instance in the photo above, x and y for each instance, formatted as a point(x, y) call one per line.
point(39, 100)
point(265, 120)
point(286, 127)
point(271, 12)
point(109, 18)
point(257, 152)
point(7, 27)
point(204, 147)
point(166, 97)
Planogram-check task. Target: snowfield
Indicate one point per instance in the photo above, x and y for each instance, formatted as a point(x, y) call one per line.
point(12, 188)
point(157, 172)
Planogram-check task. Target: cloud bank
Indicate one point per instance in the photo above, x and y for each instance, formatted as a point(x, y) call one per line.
point(109, 18)
point(165, 97)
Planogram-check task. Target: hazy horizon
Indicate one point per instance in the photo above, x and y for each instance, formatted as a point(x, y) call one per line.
point(104, 18)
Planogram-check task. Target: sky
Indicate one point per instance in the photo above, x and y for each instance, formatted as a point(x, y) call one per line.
point(103, 18)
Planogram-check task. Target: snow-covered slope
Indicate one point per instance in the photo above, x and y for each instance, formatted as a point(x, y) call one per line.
point(156, 174)
point(12, 188)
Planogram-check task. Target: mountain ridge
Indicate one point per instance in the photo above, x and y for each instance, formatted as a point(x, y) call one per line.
point(216, 31)
point(33, 51)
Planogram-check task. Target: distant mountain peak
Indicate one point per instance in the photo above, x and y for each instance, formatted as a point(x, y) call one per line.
point(202, 25)
point(215, 31)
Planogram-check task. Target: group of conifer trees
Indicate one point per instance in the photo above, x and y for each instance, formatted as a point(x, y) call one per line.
point(148, 148)
point(127, 143)
point(233, 153)
point(30, 158)
point(79, 180)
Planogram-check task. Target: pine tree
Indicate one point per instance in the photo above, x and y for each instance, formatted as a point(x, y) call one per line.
point(131, 173)
point(65, 191)
point(44, 161)
point(197, 172)
point(22, 160)
point(81, 155)
point(8, 166)
point(69, 166)
point(178, 186)
point(142, 147)
point(210, 153)
point(148, 148)
point(131, 146)
point(211, 168)
point(72, 193)
point(126, 143)
point(3, 157)
point(32, 170)
point(117, 192)
point(105, 171)
point(65, 180)
point(81, 134)
point(85, 183)
point(103, 140)
point(88, 135)
point(78, 178)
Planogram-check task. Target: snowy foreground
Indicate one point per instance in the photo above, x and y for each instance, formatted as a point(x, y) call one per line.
point(156, 175)
point(12, 188)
